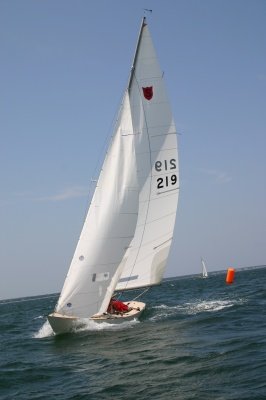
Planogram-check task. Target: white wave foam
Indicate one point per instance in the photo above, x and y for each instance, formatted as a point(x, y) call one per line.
point(39, 317)
point(44, 331)
point(164, 307)
point(208, 306)
point(85, 325)
point(164, 311)
point(89, 325)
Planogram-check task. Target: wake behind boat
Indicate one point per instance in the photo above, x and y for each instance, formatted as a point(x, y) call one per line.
point(127, 234)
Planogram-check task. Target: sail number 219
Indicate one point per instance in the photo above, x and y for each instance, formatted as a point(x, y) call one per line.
point(166, 165)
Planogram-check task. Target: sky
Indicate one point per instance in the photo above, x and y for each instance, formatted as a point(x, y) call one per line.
point(64, 66)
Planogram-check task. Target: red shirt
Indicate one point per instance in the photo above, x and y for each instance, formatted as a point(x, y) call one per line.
point(118, 306)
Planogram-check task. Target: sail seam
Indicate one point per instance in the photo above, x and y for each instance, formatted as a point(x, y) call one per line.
point(168, 191)
point(170, 171)
point(158, 198)
point(164, 134)
point(161, 244)
point(160, 218)
point(156, 151)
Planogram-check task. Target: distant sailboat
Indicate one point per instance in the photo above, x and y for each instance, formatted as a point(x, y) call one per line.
point(127, 234)
point(204, 269)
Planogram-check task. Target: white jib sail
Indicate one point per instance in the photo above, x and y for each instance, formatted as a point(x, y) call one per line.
point(108, 229)
point(157, 166)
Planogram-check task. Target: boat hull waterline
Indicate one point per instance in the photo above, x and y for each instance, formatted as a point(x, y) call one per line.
point(63, 323)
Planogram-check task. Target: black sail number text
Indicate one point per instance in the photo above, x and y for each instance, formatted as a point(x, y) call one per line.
point(164, 166)
point(166, 181)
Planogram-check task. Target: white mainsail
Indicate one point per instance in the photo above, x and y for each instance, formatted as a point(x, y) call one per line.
point(157, 165)
point(129, 227)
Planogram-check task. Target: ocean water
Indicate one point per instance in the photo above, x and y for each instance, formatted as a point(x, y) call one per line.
point(198, 339)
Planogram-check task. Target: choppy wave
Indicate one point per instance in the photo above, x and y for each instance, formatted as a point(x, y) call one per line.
point(209, 306)
point(27, 299)
point(197, 339)
point(193, 308)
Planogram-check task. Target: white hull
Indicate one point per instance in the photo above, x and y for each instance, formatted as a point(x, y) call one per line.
point(63, 323)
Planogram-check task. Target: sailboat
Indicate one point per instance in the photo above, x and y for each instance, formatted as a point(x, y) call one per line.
point(126, 237)
point(204, 269)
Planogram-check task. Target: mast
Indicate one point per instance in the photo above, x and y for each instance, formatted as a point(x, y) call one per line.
point(143, 24)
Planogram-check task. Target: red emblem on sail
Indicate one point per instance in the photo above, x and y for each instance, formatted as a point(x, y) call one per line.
point(148, 92)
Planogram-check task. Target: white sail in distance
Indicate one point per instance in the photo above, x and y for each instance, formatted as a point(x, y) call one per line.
point(204, 269)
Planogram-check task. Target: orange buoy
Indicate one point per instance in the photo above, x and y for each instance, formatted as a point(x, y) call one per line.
point(230, 275)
